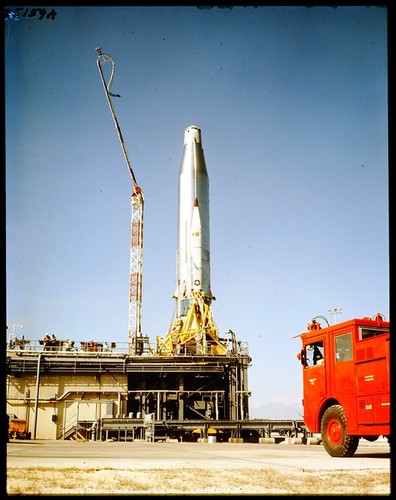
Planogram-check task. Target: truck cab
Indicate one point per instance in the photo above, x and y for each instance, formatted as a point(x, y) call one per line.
point(346, 382)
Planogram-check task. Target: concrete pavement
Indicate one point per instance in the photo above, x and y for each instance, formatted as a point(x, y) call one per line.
point(142, 455)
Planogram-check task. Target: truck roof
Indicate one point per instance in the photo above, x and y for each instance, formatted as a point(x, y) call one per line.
point(377, 321)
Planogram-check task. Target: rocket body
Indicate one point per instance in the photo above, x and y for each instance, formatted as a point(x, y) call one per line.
point(193, 251)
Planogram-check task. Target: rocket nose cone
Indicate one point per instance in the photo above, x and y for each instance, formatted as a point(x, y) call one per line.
point(192, 134)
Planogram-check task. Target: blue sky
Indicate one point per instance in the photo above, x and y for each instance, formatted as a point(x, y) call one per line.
point(292, 105)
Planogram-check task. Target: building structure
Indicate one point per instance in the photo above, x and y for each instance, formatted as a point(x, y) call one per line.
point(66, 392)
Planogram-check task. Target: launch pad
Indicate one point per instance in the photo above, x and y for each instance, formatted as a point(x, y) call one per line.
point(68, 387)
point(191, 374)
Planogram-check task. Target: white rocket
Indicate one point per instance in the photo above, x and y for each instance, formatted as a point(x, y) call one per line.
point(193, 252)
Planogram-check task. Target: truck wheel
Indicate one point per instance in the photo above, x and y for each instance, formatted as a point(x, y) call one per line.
point(335, 439)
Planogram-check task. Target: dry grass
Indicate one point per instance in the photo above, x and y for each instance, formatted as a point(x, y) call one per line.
point(74, 481)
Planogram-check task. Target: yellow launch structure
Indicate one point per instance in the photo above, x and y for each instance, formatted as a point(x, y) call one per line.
point(196, 335)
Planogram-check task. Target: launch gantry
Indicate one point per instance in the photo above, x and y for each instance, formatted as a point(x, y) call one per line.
point(135, 340)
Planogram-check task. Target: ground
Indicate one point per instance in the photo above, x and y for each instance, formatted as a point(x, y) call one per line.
point(195, 469)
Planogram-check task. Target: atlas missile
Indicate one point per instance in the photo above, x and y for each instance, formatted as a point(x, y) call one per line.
point(193, 250)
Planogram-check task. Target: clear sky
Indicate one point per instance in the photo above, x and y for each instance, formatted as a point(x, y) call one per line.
point(292, 105)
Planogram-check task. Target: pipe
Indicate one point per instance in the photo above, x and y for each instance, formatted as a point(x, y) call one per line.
point(37, 395)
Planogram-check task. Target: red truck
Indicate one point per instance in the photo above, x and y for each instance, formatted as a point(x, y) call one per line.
point(346, 382)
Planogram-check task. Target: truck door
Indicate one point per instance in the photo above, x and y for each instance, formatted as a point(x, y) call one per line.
point(314, 380)
point(344, 376)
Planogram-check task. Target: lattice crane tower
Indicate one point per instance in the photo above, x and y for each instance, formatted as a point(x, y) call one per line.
point(135, 344)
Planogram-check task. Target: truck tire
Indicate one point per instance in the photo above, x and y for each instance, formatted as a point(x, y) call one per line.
point(334, 435)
